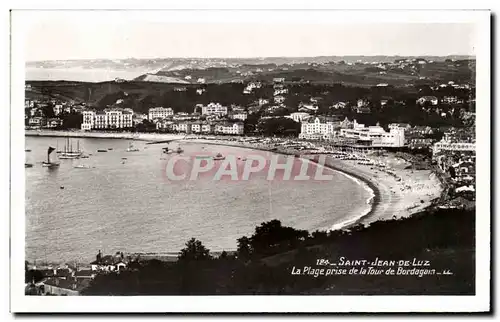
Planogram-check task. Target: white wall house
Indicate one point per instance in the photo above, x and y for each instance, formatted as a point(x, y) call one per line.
point(299, 116)
point(214, 108)
point(375, 136)
point(112, 118)
point(317, 127)
point(159, 112)
point(229, 128)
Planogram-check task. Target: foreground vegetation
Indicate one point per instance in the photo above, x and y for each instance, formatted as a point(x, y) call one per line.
point(263, 262)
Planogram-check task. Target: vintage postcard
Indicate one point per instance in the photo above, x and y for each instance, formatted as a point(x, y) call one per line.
point(255, 161)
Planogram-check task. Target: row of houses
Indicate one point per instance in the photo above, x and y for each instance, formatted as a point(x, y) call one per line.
point(204, 127)
point(398, 134)
point(70, 281)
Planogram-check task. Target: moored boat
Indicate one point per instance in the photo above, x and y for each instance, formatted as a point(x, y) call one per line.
point(28, 165)
point(131, 148)
point(69, 153)
point(219, 156)
point(82, 166)
point(102, 150)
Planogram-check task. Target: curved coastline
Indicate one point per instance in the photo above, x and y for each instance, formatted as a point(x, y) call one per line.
point(374, 200)
point(367, 216)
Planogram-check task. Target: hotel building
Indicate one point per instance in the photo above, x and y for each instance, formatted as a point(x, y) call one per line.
point(214, 108)
point(375, 136)
point(319, 127)
point(159, 113)
point(112, 118)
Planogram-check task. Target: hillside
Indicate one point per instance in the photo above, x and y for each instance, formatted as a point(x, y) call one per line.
point(443, 240)
point(359, 70)
point(354, 74)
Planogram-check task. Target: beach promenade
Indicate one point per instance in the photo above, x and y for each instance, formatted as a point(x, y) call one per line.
point(107, 135)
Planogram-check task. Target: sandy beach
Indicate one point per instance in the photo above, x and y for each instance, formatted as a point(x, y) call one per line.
point(394, 198)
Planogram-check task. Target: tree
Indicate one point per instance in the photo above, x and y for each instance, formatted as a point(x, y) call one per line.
point(33, 275)
point(48, 110)
point(194, 250)
point(271, 238)
point(244, 252)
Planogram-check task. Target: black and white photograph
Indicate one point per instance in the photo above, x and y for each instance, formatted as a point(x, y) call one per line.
point(226, 158)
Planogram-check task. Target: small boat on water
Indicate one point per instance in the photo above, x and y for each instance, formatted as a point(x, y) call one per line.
point(166, 150)
point(131, 148)
point(84, 157)
point(47, 163)
point(82, 166)
point(64, 156)
point(28, 165)
point(102, 150)
point(219, 156)
point(179, 149)
point(27, 150)
point(109, 149)
point(124, 158)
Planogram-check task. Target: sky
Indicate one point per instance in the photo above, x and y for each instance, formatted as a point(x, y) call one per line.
point(114, 36)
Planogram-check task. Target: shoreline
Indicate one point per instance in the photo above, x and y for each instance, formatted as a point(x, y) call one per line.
point(105, 135)
point(391, 198)
point(388, 200)
point(373, 200)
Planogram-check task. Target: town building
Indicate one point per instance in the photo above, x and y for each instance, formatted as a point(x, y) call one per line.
point(29, 103)
point(37, 121)
point(159, 113)
point(214, 108)
point(339, 105)
point(53, 123)
point(433, 100)
point(108, 263)
point(449, 146)
point(279, 99)
point(404, 126)
point(229, 128)
point(58, 109)
point(452, 100)
point(239, 116)
point(299, 116)
point(319, 127)
point(375, 136)
point(202, 127)
point(165, 125)
point(138, 118)
point(110, 118)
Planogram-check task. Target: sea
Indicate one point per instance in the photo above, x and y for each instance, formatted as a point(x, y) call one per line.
point(93, 75)
point(130, 205)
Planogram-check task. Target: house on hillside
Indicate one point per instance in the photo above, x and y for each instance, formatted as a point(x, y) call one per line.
point(108, 263)
point(433, 100)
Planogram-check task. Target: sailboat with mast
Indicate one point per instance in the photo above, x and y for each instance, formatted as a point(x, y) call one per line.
point(69, 153)
point(48, 163)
